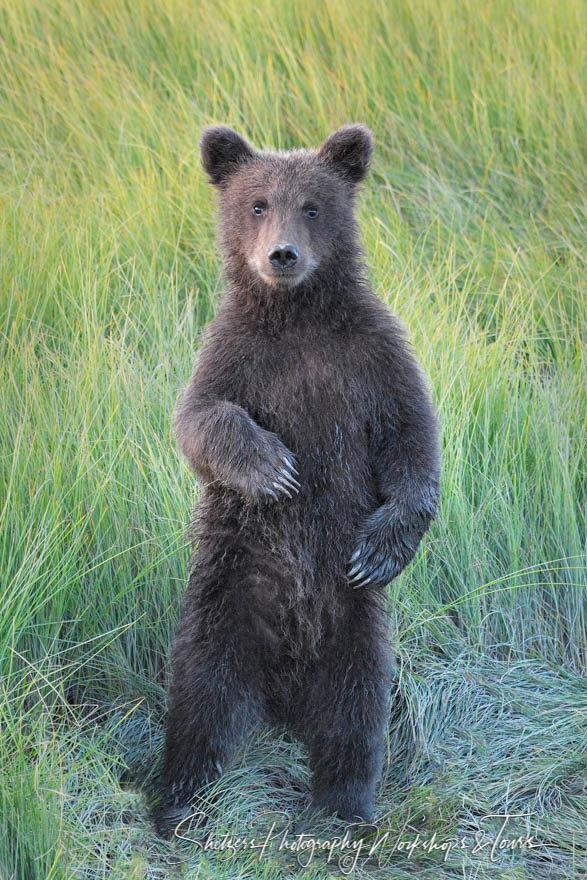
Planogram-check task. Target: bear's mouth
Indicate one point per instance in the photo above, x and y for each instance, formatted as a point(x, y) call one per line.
point(285, 277)
point(285, 273)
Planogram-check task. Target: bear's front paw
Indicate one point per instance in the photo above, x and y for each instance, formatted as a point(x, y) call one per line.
point(387, 543)
point(273, 472)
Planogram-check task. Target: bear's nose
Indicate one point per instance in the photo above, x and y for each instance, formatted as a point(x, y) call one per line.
point(282, 256)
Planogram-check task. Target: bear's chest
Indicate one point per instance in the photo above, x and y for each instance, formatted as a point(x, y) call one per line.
point(313, 391)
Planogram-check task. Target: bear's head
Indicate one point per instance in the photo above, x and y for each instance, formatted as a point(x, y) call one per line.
point(285, 217)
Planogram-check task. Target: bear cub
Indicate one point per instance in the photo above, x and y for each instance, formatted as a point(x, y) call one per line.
point(311, 429)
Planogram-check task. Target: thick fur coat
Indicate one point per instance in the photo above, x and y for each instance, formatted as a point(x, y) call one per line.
point(311, 429)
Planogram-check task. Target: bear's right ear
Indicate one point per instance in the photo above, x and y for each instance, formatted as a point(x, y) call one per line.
point(223, 150)
point(349, 151)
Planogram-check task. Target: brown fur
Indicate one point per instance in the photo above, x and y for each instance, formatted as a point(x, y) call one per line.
point(312, 431)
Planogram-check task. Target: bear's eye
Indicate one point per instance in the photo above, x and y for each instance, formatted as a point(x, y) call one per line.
point(311, 211)
point(259, 208)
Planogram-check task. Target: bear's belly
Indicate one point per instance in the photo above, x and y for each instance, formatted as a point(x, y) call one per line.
point(318, 410)
point(304, 542)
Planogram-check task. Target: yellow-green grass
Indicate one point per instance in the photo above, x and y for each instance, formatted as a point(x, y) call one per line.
point(473, 228)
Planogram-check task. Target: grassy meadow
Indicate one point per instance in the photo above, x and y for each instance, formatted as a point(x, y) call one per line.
point(473, 226)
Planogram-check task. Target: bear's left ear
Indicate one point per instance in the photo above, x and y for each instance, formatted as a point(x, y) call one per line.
point(349, 151)
point(223, 150)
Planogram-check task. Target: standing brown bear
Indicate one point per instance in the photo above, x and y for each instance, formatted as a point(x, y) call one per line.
point(312, 431)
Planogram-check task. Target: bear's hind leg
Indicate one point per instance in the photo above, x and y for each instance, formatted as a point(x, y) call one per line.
point(212, 704)
point(346, 724)
point(345, 770)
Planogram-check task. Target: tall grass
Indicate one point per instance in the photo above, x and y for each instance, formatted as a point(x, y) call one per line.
point(473, 228)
